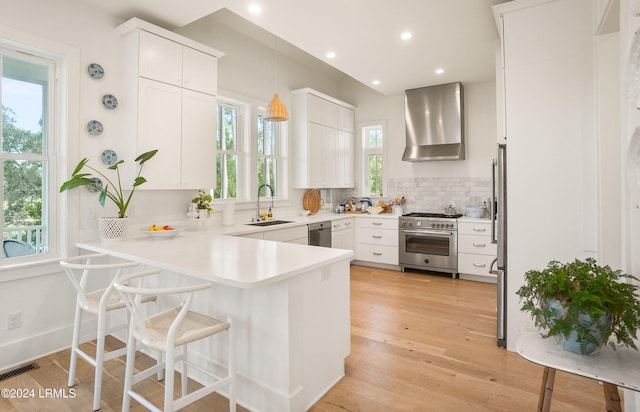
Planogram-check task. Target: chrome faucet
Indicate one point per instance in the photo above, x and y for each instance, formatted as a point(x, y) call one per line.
point(258, 201)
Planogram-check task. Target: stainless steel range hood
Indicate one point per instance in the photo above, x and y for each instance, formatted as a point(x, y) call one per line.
point(434, 119)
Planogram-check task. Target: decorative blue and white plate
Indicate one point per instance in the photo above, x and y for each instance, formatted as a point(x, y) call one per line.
point(109, 157)
point(97, 185)
point(95, 70)
point(94, 127)
point(109, 101)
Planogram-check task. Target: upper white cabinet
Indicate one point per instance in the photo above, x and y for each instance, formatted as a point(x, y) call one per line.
point(323, 141)
point(171, 86)
point(172, 63)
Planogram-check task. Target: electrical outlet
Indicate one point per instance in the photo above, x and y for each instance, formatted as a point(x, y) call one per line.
point(15, 320)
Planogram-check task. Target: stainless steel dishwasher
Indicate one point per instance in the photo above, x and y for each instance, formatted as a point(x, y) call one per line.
point(320, 234)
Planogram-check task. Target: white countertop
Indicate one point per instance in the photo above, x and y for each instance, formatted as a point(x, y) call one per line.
point(233, 261)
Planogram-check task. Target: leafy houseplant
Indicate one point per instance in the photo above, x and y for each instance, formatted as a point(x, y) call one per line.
point(110, 190)
point(203, 200)
point(585, 301)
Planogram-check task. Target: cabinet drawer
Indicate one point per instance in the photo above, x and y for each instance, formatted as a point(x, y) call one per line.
point(474, 228)
point(374, 222)
point(475, 264)
point(480, 245)
point(377, 236)
point(377, 253)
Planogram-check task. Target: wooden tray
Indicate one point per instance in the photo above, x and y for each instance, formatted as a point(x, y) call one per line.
point(311, 201)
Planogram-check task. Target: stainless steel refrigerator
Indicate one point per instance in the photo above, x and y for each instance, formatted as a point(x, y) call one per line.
point(499, 236)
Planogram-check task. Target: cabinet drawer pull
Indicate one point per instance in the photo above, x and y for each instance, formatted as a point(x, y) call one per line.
point(377, 253)
point(376, 236)
point(480, 265)
point(475, 229)
point(480, 244)
point(347, 223)
point(376, 223)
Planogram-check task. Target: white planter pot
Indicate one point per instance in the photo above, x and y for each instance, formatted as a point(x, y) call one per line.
point(113, 228)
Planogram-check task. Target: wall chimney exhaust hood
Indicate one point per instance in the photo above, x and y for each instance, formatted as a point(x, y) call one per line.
point(434, 120)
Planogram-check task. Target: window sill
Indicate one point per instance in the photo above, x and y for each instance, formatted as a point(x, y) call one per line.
point(24, 268)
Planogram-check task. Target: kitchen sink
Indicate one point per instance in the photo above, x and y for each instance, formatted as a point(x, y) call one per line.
point(270, 223)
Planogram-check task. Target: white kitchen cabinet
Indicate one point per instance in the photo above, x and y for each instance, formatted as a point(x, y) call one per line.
point(171, 83)
point(475, 250)
point(297, 234)
point(170, 62)
point(376, 240)
point(323, 141)
point(342, 234)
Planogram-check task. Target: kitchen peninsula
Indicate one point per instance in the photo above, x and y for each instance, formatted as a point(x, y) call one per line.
point(289, 304)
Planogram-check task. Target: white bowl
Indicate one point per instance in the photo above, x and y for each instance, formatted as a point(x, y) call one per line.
point(374, 210)
point(476, 211)
point(161, 234)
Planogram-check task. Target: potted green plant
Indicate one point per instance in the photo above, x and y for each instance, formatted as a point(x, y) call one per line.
point(110, 190)
point(203, 203)
point(583, 304)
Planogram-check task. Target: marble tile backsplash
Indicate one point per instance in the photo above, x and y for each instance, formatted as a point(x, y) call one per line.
point(430, 194)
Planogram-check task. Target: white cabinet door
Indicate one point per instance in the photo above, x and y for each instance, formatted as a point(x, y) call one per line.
point(199, 71)
point(322, 111)
point(198, 140)
point(346, 119)
point(346, 159)
point(160, 127)
point(160, 59)
point(322, 147)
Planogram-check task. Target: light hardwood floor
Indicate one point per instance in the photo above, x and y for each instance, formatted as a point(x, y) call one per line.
point(419, 342)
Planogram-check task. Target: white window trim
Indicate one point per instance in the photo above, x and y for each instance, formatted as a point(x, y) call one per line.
point(64, 126)
point(364, 152)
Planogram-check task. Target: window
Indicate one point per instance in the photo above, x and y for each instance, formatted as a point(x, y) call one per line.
point(228, 150)
point(27, 152)
point(267, 154)
point(373, 137)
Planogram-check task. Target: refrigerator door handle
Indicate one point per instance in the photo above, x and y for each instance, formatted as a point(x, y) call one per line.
point(492, 213)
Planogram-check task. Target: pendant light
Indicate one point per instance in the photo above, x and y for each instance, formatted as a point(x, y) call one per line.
point(276, 111)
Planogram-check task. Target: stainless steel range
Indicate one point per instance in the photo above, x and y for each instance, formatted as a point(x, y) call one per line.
point(429, 241)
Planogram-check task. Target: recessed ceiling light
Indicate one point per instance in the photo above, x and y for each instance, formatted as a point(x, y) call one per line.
point(331, 55)
point(255, 9)
point(375, 82)
point(439, 71)
point(406, 35)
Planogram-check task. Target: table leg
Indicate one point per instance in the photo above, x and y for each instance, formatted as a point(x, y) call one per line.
point(611, 397)
point(546, 391)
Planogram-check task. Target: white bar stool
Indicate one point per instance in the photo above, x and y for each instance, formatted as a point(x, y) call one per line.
point(166, 331)
point(98, 302)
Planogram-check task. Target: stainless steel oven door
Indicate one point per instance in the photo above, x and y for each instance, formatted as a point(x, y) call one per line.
point(429, 249)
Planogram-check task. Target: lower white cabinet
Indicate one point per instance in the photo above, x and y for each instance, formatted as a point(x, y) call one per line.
point(376, 240)
point(475, 250)
point(342, 234)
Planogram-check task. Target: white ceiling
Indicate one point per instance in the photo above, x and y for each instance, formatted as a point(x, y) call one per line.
point(459, 36)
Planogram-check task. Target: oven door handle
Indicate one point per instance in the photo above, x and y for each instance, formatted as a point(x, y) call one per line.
point(428, 233)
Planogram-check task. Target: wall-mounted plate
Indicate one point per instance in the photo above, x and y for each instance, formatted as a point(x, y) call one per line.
point(109, 157)
point(94, 127)
point(97, 185)
point(109, 101)
point(95, 70)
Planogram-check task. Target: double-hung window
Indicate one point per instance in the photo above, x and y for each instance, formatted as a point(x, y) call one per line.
point(373, 138)
point(27, 152)
point(268, 154)
point(228, 145)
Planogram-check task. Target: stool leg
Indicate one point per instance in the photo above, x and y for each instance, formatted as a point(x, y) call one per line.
point(128, 371)
point(546, 391)
point(169, 375)
point(97, 387)
point(75, 341)
point(611, 397)
point(232, 369)
point(183, 378)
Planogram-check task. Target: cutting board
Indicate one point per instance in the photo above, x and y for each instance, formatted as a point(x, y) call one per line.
point(311, 201)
